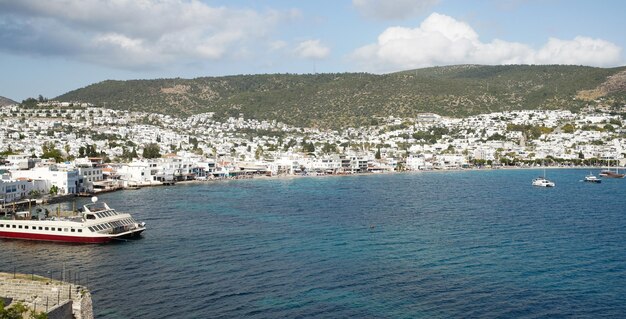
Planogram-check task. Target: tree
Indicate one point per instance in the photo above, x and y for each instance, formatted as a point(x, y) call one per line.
point(568, 128)
point(9, 151)
point(329, 148)
point(29, 103)
point(66, 148)
point(194, 142)
point(377, 155)
point(34, 194)
point(290, 144)
point(49, 151)
point(259, 152)
point(91, 151)
point(54, 190)
point(17, 312)
point(308, 147)
point(151, 150)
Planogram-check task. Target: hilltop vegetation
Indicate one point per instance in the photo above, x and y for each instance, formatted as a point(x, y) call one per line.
point(354, 99)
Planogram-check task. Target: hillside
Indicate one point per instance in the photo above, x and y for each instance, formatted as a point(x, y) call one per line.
point(6, 101)
point(339, 100)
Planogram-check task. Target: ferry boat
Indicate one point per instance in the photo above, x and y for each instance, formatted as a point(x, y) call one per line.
point(93, 224)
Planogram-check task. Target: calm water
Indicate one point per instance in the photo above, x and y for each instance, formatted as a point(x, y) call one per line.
point(425, 245)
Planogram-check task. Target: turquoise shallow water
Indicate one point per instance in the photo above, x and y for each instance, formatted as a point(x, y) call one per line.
point(423, 245)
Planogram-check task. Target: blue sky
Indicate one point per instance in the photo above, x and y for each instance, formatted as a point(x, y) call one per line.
point(50, 47)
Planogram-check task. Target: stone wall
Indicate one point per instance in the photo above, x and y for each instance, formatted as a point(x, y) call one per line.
point(43, 294)
point(62, 311)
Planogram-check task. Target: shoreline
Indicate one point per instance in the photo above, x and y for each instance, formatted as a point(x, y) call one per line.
point(69, 197)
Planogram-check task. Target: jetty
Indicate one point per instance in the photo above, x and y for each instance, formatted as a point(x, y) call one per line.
point(58, 299)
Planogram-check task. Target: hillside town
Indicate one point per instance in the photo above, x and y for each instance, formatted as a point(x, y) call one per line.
point(60, 148)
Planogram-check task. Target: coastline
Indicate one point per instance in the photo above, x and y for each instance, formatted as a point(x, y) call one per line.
point(70, 197)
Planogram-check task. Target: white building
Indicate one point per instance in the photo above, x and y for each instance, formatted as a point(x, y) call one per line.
point(141, 173)
point(416, 163)
point(12, 190)
point(65, 180)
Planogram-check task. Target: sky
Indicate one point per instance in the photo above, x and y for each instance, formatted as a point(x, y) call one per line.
point(50, 47)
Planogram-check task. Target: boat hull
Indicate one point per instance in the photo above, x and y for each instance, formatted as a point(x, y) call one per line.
point(611, 175)
point(55, 238)
point(597, 181)
point(69, 239)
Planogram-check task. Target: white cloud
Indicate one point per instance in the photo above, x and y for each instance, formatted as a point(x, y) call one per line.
point(443, 40)
point(392, 9)
point(133, 33)
point(581, 50)
point(312, 49)
point(277, 45)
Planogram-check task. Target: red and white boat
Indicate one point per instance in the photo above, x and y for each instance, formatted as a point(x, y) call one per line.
point(92, 224)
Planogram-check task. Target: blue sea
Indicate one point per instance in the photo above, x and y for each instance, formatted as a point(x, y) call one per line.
point(477, 244)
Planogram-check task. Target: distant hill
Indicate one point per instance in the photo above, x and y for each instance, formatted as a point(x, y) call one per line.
point(343, 99)
point(6, 101)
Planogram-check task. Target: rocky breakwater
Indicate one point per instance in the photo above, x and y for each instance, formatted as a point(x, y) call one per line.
point(57, 298)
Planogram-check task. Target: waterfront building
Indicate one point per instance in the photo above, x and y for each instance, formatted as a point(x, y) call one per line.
point(65, 179)
point(12, 190)
point(416, 162)
point(90, 171)
point(141, 173)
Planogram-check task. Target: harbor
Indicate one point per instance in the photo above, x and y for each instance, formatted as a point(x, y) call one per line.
point(288, 247)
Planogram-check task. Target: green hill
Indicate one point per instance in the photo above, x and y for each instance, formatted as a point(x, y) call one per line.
point(342, 99)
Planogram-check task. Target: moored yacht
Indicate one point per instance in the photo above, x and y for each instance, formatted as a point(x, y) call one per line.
point(592, 179)
point(543, 182)
point(611, 174)
point(93, 224)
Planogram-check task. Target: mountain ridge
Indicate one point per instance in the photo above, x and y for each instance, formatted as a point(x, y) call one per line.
point(4, 101)
point(336, 100)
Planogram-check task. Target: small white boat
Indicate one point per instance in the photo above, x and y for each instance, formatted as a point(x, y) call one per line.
point(543, 182)
point(592, 179)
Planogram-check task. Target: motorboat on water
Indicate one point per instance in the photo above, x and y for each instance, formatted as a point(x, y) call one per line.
point(92, 224)
point(592, 179)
